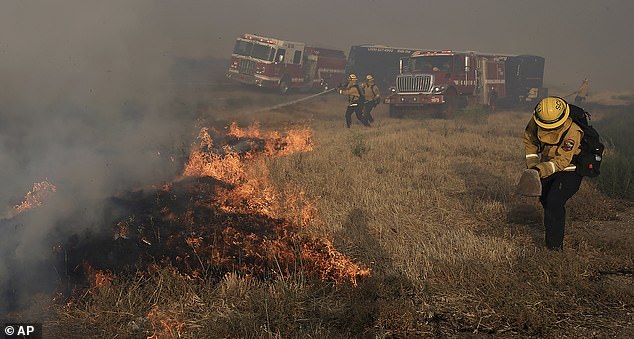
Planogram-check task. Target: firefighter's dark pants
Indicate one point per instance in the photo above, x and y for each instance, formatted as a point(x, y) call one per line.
point(556, 190)
point(367, 110)
point(357, 109)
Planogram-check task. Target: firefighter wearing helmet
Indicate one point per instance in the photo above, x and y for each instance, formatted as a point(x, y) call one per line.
point(372, 96)
point(355, 100)
point(551, 139)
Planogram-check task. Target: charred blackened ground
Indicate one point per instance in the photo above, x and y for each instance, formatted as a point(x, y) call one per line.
point(201, 225)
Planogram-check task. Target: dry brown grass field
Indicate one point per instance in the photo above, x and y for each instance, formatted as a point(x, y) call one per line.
point(429, 206)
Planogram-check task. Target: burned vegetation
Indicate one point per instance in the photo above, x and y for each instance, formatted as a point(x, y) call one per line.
point(221, 216)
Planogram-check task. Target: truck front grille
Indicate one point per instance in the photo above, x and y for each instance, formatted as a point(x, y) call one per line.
point(413, 83)
point(246, 66)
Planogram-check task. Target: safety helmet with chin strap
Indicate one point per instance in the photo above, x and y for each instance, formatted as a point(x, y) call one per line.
point(551, 112)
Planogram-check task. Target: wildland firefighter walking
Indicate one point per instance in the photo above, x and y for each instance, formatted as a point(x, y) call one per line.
point(355, 100)
point(372, 96)
point(563, 148)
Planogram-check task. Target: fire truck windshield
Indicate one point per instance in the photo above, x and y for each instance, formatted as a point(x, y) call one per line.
point(432, 63)
point(255, 50)
point(262, 52)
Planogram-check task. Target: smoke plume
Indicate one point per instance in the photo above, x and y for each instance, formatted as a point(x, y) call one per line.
point(87, 104)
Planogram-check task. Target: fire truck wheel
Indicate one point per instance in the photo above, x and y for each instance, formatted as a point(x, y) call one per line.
point(283, 87)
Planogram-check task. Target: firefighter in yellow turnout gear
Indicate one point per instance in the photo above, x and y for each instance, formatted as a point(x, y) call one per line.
point(551, 139)
point(355, 101)
point(372, 96)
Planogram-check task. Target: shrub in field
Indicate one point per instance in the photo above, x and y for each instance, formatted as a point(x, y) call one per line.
point(359, 146)
point(617, 172)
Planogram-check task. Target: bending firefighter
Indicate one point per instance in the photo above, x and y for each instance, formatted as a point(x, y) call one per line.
point(372, 96)
point(551, 140)
point(355, 100)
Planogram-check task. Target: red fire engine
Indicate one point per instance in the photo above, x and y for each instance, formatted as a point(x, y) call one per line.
point(284, 65)
point(446, 80)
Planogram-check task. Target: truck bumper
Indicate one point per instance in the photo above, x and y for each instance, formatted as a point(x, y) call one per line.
point(413, 100)
point(252, 79)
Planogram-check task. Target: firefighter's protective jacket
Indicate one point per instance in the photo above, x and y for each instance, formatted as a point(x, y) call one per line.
point(352, 91)
point(551, 151)
point(371, 91)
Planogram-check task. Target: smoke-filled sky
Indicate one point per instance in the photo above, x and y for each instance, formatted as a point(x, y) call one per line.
point(85, 93)
point(580, 38)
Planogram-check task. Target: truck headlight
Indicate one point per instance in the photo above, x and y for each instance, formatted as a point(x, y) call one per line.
point(393, 90)
point(438, 89)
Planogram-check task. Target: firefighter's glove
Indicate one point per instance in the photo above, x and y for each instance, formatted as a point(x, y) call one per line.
point(546, 169)
point(340, 91)
point(529, 185)
point(532, 160)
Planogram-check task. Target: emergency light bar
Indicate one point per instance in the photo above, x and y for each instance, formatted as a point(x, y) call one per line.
point(260, 39)
point(445, 51)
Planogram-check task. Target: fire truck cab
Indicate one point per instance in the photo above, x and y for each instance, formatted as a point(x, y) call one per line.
point(446, 80)
point(283, 65)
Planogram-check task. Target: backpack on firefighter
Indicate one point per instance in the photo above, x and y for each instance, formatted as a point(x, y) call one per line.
point(588, 162)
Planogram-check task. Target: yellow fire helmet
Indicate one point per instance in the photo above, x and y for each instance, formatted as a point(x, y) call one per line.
point(352, 77)
point(369, 77)
point(551, 112)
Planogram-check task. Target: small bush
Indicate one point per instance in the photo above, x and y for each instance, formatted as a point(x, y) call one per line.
point(359, 146)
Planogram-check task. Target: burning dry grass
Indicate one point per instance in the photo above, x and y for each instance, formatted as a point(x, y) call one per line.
point(223, 216)
point(33, 198)
point(429, 206)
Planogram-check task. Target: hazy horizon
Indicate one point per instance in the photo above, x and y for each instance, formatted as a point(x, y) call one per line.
point(581, 39)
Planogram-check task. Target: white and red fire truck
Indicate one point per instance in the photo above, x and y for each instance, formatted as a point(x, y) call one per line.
point(446, 80)
point(283, 65)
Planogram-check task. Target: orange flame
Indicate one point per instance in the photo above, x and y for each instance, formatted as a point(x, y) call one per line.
point(34, 198)
point(102, 279)
point(247, 172)
point(164, 324)
point(252, 192)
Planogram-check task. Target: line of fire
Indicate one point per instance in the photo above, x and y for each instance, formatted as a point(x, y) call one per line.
point(221, 215)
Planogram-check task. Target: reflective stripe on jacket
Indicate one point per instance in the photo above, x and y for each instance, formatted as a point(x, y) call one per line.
point(552, 151)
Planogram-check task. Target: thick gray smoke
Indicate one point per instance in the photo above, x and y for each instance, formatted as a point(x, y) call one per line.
point(86, 103)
